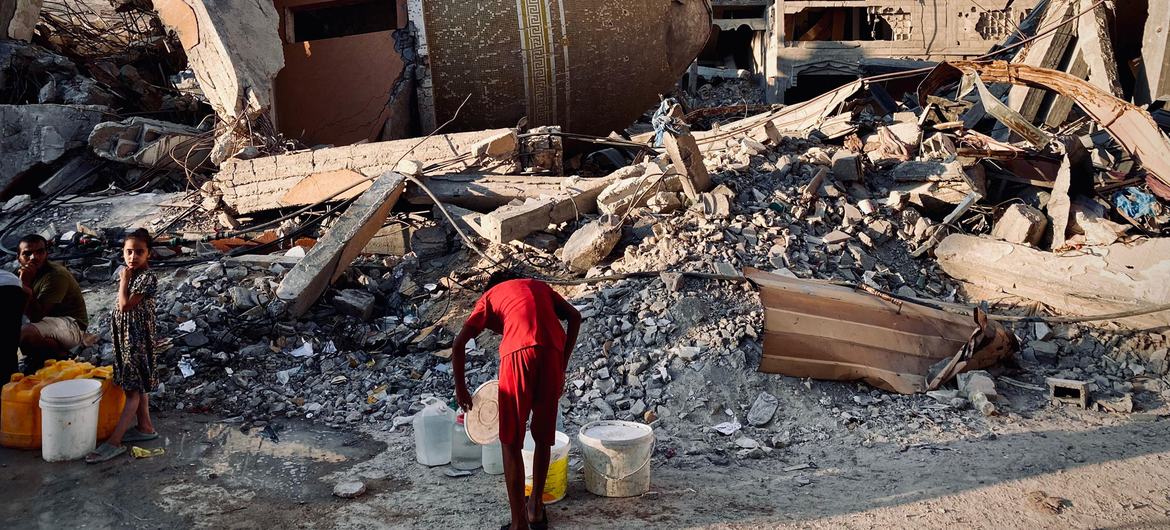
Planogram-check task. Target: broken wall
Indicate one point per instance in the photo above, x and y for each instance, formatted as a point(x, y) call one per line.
point(833, 38)
point(340, 70)
point(588, 66)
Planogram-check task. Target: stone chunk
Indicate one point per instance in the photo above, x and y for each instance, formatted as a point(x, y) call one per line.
point(355, 303)
point(592, 243)
point(349, 490)
point(34, 135)
point(1021, 224)
point(847, 166)
point(763, 409)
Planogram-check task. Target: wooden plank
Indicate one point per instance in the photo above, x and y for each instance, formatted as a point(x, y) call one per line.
point(334, 251)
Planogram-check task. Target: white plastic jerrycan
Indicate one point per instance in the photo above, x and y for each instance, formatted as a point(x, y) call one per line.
point(432, 433)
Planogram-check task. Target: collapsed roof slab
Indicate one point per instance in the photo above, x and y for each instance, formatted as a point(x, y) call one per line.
point(306, 177)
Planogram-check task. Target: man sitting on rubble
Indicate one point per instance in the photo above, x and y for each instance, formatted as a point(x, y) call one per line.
point(55, 307)
point(534, 354)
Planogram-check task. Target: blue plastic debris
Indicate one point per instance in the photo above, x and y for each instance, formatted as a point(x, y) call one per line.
point(1135, 203)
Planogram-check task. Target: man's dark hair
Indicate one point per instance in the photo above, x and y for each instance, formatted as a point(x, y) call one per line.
point(34, 238)
point(501, 276)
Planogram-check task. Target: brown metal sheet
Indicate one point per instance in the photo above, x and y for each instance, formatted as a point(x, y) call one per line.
point(824, 331)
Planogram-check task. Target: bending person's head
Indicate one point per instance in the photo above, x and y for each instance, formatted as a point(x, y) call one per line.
point(501, 276)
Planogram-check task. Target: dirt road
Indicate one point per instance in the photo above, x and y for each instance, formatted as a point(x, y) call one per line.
point(1103, 471)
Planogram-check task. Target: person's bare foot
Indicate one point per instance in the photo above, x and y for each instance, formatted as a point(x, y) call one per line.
point(537, 518)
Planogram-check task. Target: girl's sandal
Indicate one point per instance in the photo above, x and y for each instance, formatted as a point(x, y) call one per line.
point(104, 452)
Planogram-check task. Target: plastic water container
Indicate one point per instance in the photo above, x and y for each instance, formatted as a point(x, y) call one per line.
point(433, 426)
point(113, 400)
point(617, 457)
point(493, 458)
point(465, 454)
point(69, 418)
point(556, 485)
point(20, 413)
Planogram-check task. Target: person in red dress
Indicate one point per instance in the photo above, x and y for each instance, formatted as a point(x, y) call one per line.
point(534, 354)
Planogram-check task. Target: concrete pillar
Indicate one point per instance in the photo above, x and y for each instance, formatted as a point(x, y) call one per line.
point(1154, 77)
point(777, 81)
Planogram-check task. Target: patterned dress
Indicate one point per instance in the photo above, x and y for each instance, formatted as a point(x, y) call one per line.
point(133, 330)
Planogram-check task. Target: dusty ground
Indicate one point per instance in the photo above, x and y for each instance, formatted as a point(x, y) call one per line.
point(1111, 471)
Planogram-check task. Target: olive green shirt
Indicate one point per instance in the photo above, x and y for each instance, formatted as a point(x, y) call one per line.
point(56, 286)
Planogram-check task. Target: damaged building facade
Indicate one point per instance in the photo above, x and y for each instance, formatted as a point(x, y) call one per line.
point(343, 72)
point(795, 48)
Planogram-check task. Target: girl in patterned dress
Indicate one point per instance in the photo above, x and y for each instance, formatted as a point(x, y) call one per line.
point(133, 333)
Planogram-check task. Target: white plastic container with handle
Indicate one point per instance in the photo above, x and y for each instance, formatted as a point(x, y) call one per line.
point(433, 426)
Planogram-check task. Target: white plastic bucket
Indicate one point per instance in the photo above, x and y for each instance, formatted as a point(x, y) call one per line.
point(69, 419)
point(617, 457)
point(556, 484)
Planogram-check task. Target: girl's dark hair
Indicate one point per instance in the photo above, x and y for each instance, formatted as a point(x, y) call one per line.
point(140, 234)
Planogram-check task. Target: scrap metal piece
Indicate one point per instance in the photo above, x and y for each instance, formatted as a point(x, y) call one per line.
point(825, 331)
point(1012, 119)
point(1132, 127)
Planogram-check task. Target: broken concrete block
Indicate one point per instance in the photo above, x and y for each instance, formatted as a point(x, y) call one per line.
point(1088, 220)
point(664, 202)
point(235, 50)
point(688, 162)
point(332, 254)
point(349, 490)
point(393, 240)
point(1021, 224)
point(514, 222)
point(847, 166)
point(1068, 391)
point(503, 144)
point(34, 135)
point(18, 18)
point(428, 242)
point(1117, 278)
point(592, 243)
point(150, 143)
point(631, 184)
point(355, 303)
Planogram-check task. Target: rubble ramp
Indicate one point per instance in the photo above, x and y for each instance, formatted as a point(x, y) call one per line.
point(824, 331)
